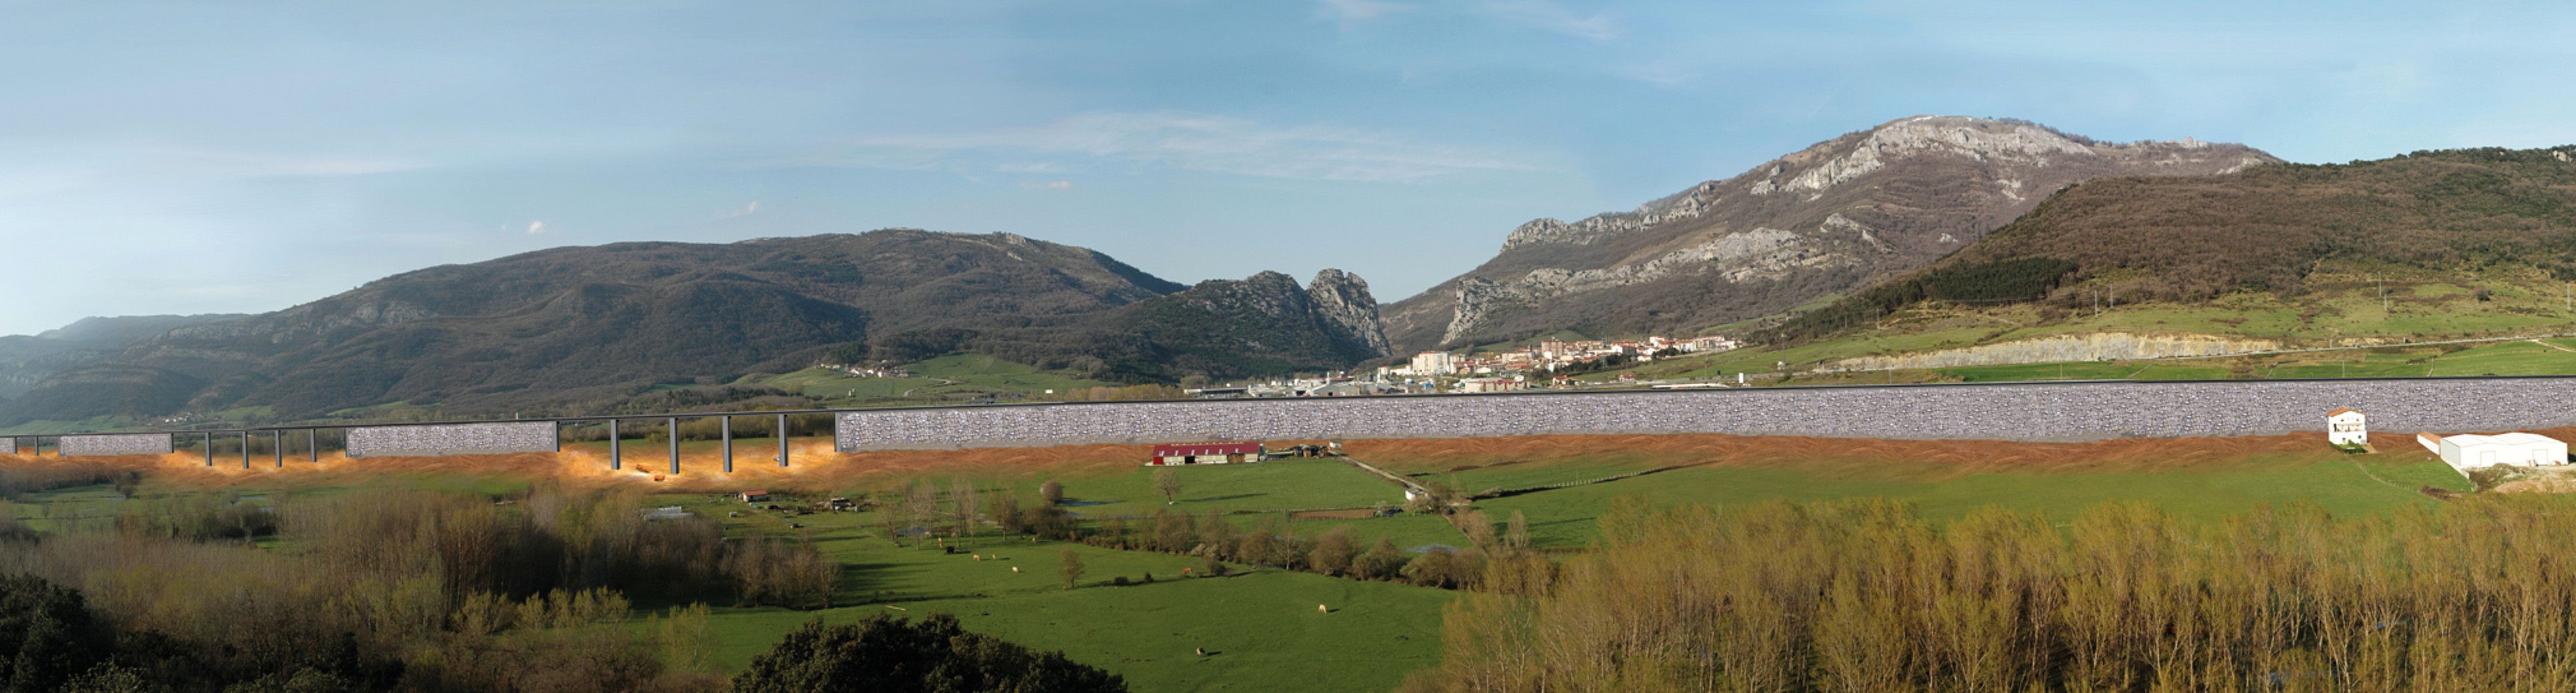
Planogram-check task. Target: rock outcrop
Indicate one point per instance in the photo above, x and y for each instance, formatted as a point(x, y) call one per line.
point(1804, 226)
point(1341, 302)
point(2094, 346)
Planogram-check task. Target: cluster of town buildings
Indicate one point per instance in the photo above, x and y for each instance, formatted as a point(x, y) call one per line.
point(1551, 355)
point(1492, 371)
point(868, 371)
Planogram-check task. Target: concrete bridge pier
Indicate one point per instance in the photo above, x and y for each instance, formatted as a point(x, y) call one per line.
point(672, 429)
point(782, 440)
point(727, 422)
point(614, 464)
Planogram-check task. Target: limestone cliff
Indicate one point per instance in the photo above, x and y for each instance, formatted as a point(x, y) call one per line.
point(2096, 346)
point(1342, 304)
point(1807, 225)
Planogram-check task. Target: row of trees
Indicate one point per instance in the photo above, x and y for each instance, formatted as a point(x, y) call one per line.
point(1267, 542)
point(1868, 596)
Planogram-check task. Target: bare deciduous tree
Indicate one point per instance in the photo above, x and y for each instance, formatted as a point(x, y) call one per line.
point(1168, 481)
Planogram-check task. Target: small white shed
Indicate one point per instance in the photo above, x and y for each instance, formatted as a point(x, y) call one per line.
point(2346, 427)
point(2479, 452)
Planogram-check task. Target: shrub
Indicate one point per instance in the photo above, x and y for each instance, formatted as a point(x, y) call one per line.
point(881, 653)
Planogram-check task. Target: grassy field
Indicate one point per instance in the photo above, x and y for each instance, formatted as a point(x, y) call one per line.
point(960, 377)
point(2342, 300)
point(1261, 627)
point(1288, 484)
point(2341, 483)
point(2555, 356)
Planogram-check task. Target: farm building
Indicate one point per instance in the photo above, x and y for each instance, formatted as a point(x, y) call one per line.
point(755, 496)
point(1204, 453)
point(2478, 452)
point(2346, 427)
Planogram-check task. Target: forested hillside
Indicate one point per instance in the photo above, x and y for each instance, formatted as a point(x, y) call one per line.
point(588, 328)
point(2264, 229)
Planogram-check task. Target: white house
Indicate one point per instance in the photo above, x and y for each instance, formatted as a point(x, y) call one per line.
point(2345, 427)
point(1434, 363)
point(2467, 452)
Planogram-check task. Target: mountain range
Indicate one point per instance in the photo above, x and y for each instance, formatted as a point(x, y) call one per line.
point(1920, 209)
point(584, 327)
point(1825, 219)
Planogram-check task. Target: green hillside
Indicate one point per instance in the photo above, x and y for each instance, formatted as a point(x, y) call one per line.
point(2481, 222)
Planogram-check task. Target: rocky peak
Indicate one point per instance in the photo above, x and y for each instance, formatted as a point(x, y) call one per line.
point(1827, 217)
point(1682, 205)
point(1343, 305)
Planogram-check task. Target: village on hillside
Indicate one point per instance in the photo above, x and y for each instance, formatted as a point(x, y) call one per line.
point(1547, 363)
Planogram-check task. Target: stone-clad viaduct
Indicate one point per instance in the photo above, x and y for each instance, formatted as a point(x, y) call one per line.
point(2019, 411)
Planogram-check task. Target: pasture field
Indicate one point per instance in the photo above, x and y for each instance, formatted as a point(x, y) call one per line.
point(2198, 478)
point(946, 378)
point(2341, 300)
point(1261, 626)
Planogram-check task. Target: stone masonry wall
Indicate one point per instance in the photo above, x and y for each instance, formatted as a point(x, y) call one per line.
point(2030, 412)
point(117, 444)
point(452, 439)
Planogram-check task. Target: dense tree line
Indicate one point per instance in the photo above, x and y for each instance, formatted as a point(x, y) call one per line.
point(1997, 281)
point(409, 590)
point(1269, 543)
point(1869, 596)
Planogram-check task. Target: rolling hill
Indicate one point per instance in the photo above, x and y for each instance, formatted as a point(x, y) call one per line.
point(583, 328)
point(26, 360)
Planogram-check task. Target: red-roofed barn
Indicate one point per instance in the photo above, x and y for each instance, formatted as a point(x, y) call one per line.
point(1204, 453)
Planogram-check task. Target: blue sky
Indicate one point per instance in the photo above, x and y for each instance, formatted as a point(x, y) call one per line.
point(202, 157)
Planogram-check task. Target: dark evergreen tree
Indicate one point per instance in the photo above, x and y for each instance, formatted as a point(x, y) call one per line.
point(933, 655)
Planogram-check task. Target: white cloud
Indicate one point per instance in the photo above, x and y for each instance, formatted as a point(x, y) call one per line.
point(1205, 143)
point(1551, 16)
point(1046, 185)
point(536, 227)
point(746, 210)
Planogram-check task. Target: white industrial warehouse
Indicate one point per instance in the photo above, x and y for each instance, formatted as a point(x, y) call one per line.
point(2465, 452)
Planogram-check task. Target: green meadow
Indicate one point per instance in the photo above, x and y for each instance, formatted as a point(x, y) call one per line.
point(1147, 615)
